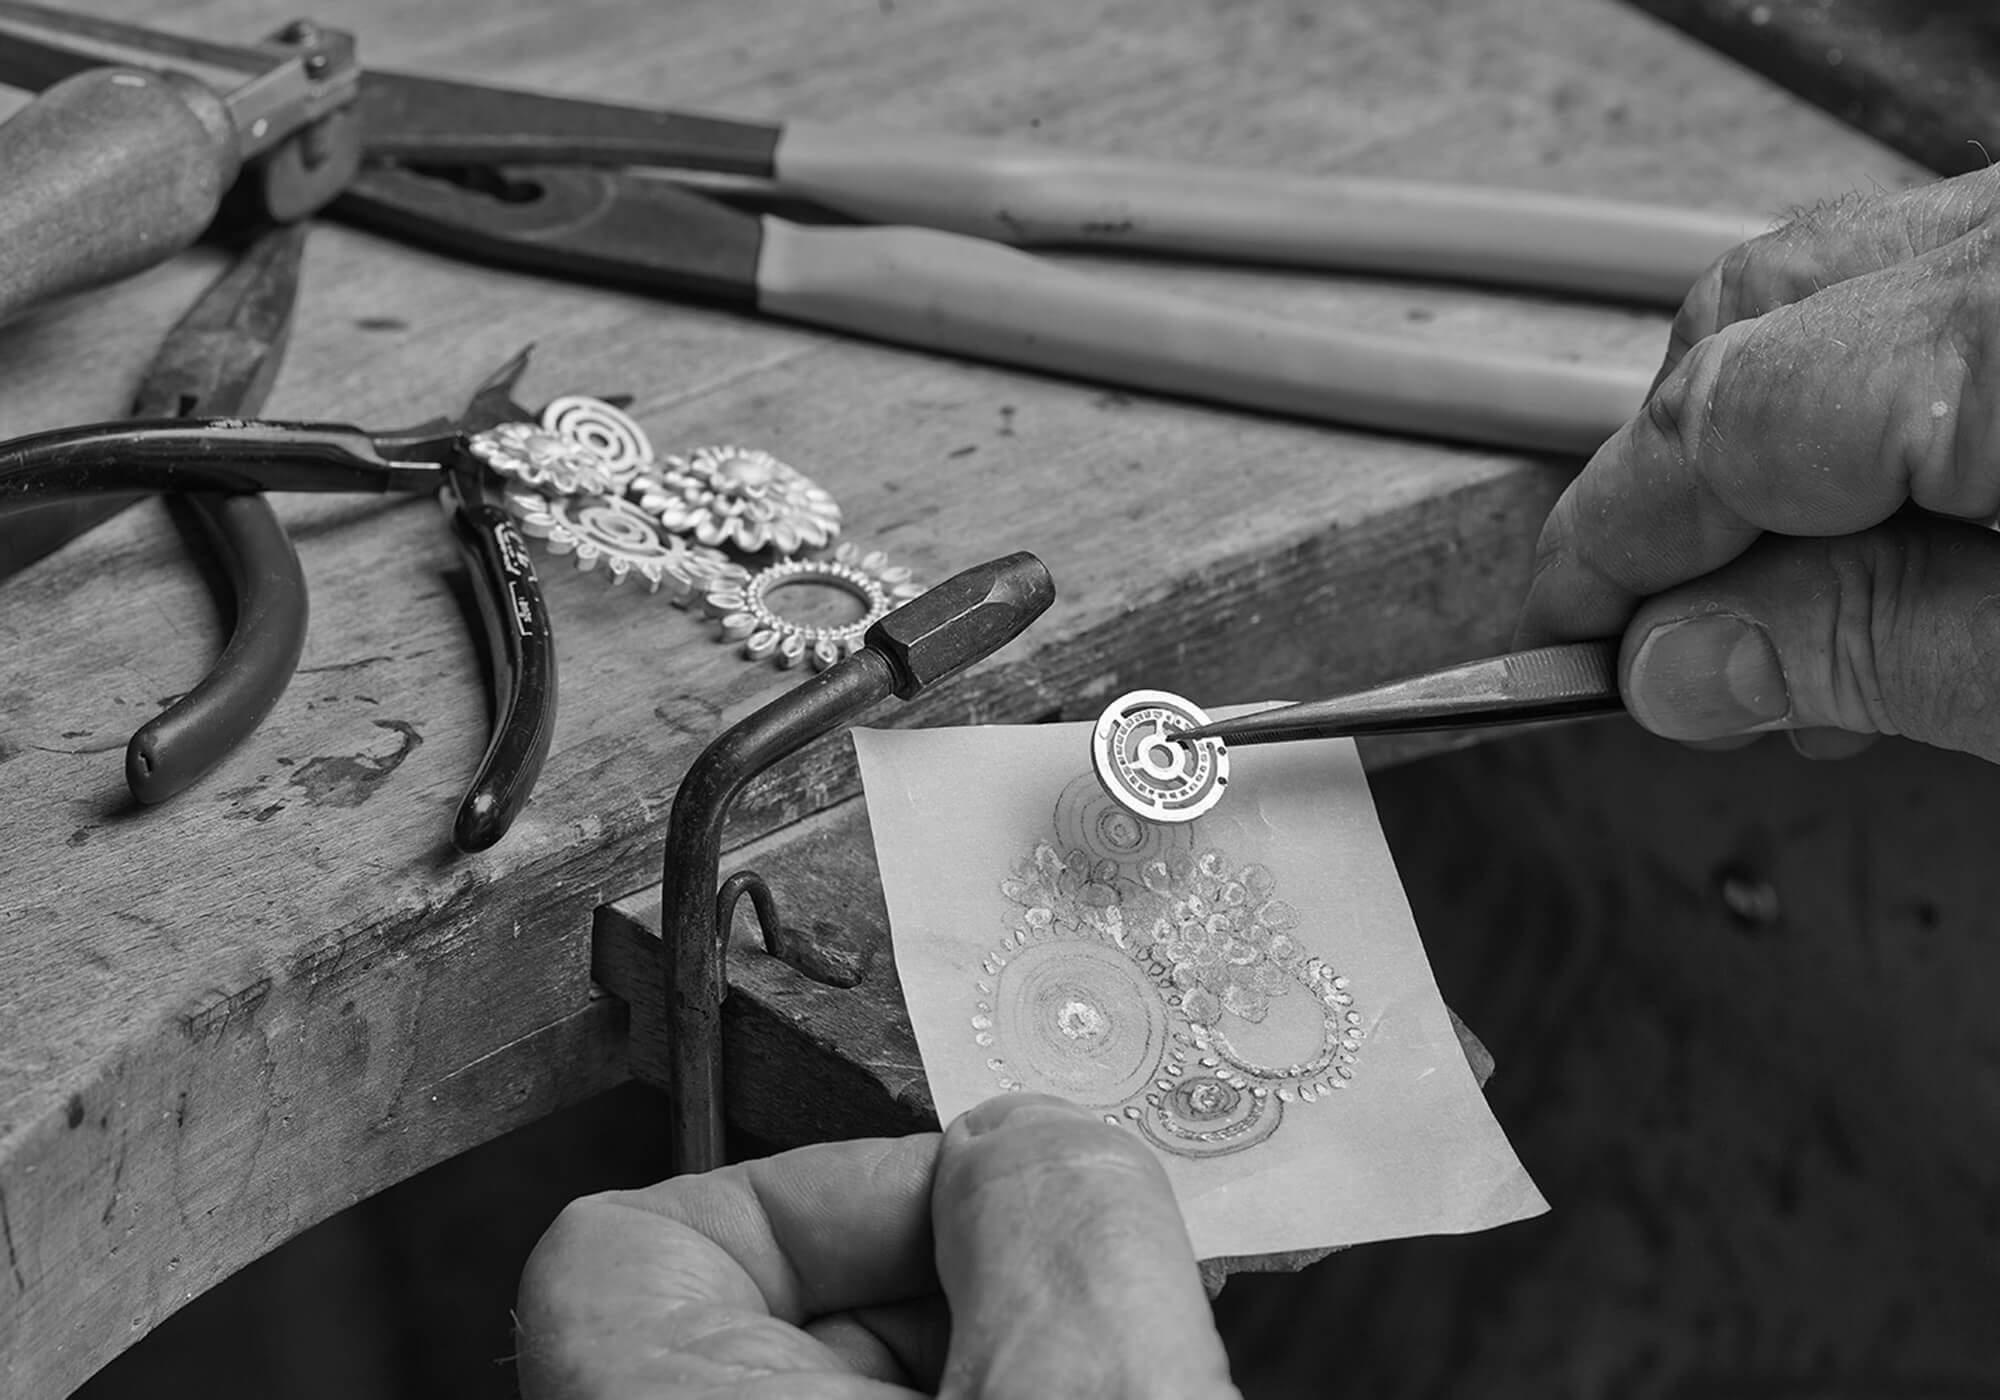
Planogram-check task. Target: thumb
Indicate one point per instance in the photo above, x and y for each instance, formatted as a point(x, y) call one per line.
point(1895, 630)
point(1063, 1256)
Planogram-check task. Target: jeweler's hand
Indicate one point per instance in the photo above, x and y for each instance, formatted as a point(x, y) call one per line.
point(1792, 534)
point(1031, 1251)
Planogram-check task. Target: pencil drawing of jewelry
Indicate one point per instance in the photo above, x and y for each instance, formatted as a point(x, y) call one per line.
point(551, 463)
point(605, 429)
point(750, 612)
point(740, 498)
point(1161, 982)
point(612, 532)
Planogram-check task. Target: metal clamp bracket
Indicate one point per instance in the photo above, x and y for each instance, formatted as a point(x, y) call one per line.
point(962, 620)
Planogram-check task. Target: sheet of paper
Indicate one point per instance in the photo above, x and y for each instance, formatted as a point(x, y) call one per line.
point(1247, 991)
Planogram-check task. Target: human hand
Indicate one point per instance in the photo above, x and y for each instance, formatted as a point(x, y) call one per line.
point(1029, 1251)
point(1751, 532)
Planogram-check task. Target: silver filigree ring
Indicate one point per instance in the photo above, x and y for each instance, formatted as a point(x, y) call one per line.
point(748, 614)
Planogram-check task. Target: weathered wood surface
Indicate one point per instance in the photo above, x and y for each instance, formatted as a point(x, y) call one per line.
point(224, 1019)
point(1922, 76)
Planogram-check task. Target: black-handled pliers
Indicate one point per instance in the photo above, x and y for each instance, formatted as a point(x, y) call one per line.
point(218, 361)
point(239, 457)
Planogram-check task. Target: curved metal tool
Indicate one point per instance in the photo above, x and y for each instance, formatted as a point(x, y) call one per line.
point(217, 362)
point(235, 456)
point(963, 619)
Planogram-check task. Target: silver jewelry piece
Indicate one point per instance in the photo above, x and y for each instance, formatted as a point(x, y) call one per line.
point(749, 615)
point(739, 497)
point(611, 531)
point(1144, 771)
point(605, 429)
point(547, 461)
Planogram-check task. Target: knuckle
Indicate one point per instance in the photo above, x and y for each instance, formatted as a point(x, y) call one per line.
point(1939, 213)
point(1953, 424)
point(1889, 662)
point(1555, 546)
point(1866, 602)
point(1704, 310)
point(1678, 414)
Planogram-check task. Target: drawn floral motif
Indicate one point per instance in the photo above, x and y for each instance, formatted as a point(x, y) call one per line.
point(1133, 965)
point(1218, 932)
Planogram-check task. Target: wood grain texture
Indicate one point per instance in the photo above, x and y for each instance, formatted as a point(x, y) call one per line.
point(224, 1019)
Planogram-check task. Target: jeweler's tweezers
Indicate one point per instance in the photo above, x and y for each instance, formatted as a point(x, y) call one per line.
point(1522, 687)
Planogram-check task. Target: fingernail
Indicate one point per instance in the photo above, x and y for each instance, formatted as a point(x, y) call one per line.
point(1004, 1108)
point(1706, 677)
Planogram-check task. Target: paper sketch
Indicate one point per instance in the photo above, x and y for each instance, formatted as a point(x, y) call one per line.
point(1157, 979)
point(1246, 990)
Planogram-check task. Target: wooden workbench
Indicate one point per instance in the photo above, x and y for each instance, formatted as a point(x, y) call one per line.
point(225, 1019)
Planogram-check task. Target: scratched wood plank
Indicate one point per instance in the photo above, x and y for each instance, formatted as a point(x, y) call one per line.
point(222, 1020)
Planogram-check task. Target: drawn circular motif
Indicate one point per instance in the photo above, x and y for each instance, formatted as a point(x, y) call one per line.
point(740, 497)
point(605, 429)
point(1079, 1019)
point(1144, 771)
point(549, 462)
point(1209, 1116)
point(750, 613)
point(612, 532)
point(1087, 819)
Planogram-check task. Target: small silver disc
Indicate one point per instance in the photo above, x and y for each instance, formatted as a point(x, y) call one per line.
point(1141, 767)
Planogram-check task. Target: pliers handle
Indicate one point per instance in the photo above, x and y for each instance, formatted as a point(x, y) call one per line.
point(239, 456)
point(540, 182)
point(219, 359)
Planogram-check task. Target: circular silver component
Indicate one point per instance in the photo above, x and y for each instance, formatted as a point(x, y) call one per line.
point(749, 614)
point(605, 429)
point(1141, 767)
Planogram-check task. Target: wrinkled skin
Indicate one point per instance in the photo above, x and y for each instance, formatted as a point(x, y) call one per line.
point(1793, 534)
point(1031, 1251)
